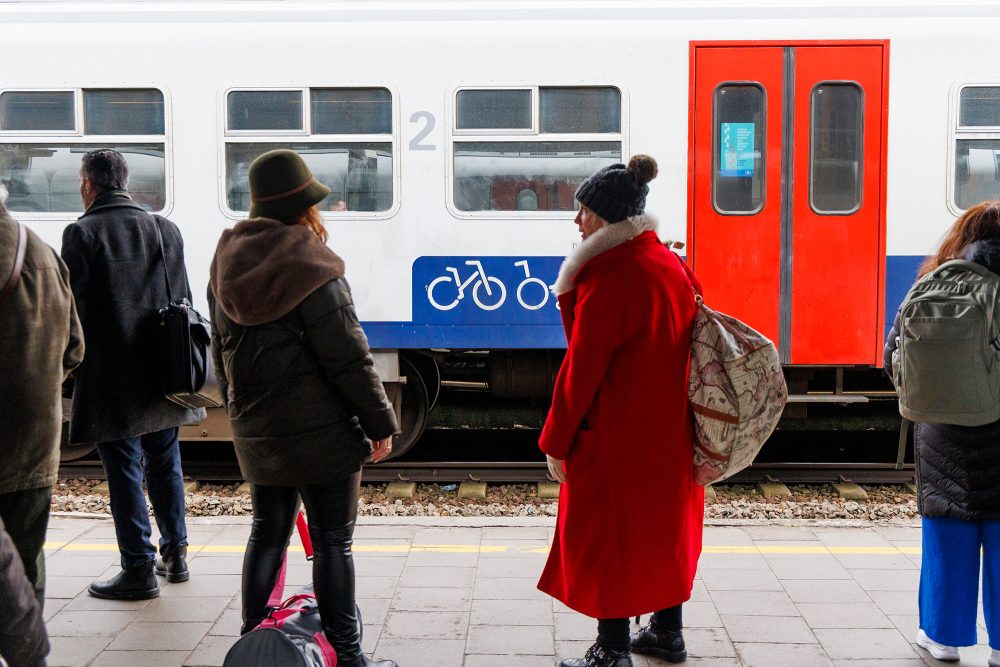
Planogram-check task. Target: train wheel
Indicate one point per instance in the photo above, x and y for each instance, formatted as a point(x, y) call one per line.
point(416, 404)
point(430, 372)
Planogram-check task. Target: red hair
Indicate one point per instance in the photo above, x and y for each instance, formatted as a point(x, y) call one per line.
point(313, 221)
point(979, 223)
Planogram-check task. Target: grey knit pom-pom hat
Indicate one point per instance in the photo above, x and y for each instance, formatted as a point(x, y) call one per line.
point(618, 192)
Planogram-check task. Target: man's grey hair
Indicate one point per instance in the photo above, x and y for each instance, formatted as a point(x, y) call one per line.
point(106, 168)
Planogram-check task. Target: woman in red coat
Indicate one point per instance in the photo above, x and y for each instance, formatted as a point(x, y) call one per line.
point(619, 434)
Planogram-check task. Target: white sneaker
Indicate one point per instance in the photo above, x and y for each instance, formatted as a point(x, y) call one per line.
point(937, 651)
point(995, 658)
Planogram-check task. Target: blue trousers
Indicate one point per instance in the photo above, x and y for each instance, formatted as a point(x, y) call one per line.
point(949, 580)
point(157, 456)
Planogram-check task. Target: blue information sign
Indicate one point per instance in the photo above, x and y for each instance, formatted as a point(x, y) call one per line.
point(736, 150)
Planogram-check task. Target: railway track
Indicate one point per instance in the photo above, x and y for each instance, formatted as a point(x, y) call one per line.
point(529, 471)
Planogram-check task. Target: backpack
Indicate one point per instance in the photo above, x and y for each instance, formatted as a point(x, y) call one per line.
point(737, 393)
point(945, 364)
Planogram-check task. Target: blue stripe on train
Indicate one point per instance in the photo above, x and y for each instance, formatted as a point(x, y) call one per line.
point(450, 331)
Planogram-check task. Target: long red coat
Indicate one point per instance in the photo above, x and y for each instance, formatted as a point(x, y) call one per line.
point(629, 530)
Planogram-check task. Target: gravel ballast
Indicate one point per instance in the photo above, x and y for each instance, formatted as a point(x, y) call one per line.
point(732, 502)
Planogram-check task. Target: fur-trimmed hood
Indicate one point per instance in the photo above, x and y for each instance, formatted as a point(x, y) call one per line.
point(263, 269)
point(604, 239)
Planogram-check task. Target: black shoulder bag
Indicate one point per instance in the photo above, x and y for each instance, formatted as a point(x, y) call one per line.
point(184, 340)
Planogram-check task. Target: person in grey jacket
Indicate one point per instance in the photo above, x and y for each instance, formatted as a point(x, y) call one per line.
point(23, 640)
point(958, 481)
point(117, 273)
point(40, 343)
point(306, 405)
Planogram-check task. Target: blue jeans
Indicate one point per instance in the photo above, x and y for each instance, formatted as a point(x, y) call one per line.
point(159, 456)
point(949, 579)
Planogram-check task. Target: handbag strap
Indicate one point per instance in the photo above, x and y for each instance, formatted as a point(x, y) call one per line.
point(15, 274)
point(163, 257)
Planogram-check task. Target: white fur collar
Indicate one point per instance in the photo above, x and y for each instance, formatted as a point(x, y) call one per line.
point(602, 240)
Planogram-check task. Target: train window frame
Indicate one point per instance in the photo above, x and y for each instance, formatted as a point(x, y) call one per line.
point(763, 147)
point(959, 132)
point(79, 137)
point(284, 137)
point(860, 179)
point(535, 135)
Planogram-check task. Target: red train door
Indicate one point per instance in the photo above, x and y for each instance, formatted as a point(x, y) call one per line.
point(787, 193)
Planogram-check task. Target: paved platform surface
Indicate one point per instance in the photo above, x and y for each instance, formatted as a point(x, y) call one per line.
point(461, 592)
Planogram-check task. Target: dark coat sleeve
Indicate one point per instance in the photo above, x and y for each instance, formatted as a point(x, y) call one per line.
point(217, 360)
point(76, 252)
point(334, 334)
point(891, 343)
point(23, 641)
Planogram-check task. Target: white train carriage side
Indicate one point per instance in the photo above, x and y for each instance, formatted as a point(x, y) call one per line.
point(811, 152)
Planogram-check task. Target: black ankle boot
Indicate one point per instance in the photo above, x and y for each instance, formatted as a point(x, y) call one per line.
point(173, 565)
point(132, 583)
point(598, 656)
point(664, 644)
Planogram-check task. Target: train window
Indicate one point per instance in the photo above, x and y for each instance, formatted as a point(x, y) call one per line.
point(359, 175)
point(977, 146)
point(493, 110)
point(351, 111)
point(31, 111)
point(346, 140)
point(580, 110)
point(279, 110)
point(738, 153)
point(836, 161)
point(979, 106)
point(44, 135)
point(123, 112)
point(525, 170)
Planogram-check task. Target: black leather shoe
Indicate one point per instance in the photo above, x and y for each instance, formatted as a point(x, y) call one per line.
point(598, 656)
point(132, 583)
point(664, 644)
point(173, 565)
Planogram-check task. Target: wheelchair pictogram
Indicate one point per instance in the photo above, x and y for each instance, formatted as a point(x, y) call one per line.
point(478, 279)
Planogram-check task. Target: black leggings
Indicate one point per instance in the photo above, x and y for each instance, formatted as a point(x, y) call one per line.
point(612, 633)
point(332, 509)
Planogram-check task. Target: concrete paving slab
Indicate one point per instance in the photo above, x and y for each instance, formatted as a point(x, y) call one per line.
point(210, 652)
point(231, 622)
point(374, 587)
point(378, 566)
point(865, 644)
point(763, 603)
point(740, 580)
point(426, 625)
point(75, 651)
point(894, 602)
point(826, 591)
point(844, 615)
point(66, 587)
point(89, 623)
point(809, 567)
point(421, 652)
point(770, 629)
point(510, 639)
point(160, 637)
point(782, 655)
point(708, 643)
point(53, 607)
point(140, 658)
point(511, 612)
point(438, 577)
point(432, 599)
point(888, 580)
point(574, 627)
point(179, 609)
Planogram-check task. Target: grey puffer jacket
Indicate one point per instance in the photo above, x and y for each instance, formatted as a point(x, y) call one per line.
point(302, 392)
point(958, 467)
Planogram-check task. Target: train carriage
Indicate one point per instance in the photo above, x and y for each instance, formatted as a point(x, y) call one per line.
point(811, 153)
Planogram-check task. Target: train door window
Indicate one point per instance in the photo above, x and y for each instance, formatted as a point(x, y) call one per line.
point(345, 135)
point(738, 154)
point(977, 146)
point(44, 135)
point(529, 158)
point(836, 148)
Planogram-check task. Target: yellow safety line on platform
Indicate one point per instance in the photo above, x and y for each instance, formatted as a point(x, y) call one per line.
point(404, 549)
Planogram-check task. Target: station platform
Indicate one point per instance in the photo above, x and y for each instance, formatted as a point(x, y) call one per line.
point(461, 592)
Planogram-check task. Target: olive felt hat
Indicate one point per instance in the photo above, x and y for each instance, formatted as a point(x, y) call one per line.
point(618, 192)
point(281, 186)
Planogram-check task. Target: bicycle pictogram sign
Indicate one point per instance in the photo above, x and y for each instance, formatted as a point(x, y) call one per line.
point(488, 292)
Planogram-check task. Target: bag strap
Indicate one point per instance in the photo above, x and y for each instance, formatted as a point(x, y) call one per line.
point(163, 257)
point(15, 274)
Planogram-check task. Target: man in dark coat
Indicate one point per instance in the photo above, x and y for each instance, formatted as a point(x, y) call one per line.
point(120, 279)
point(40, 343)
point(23, 641)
